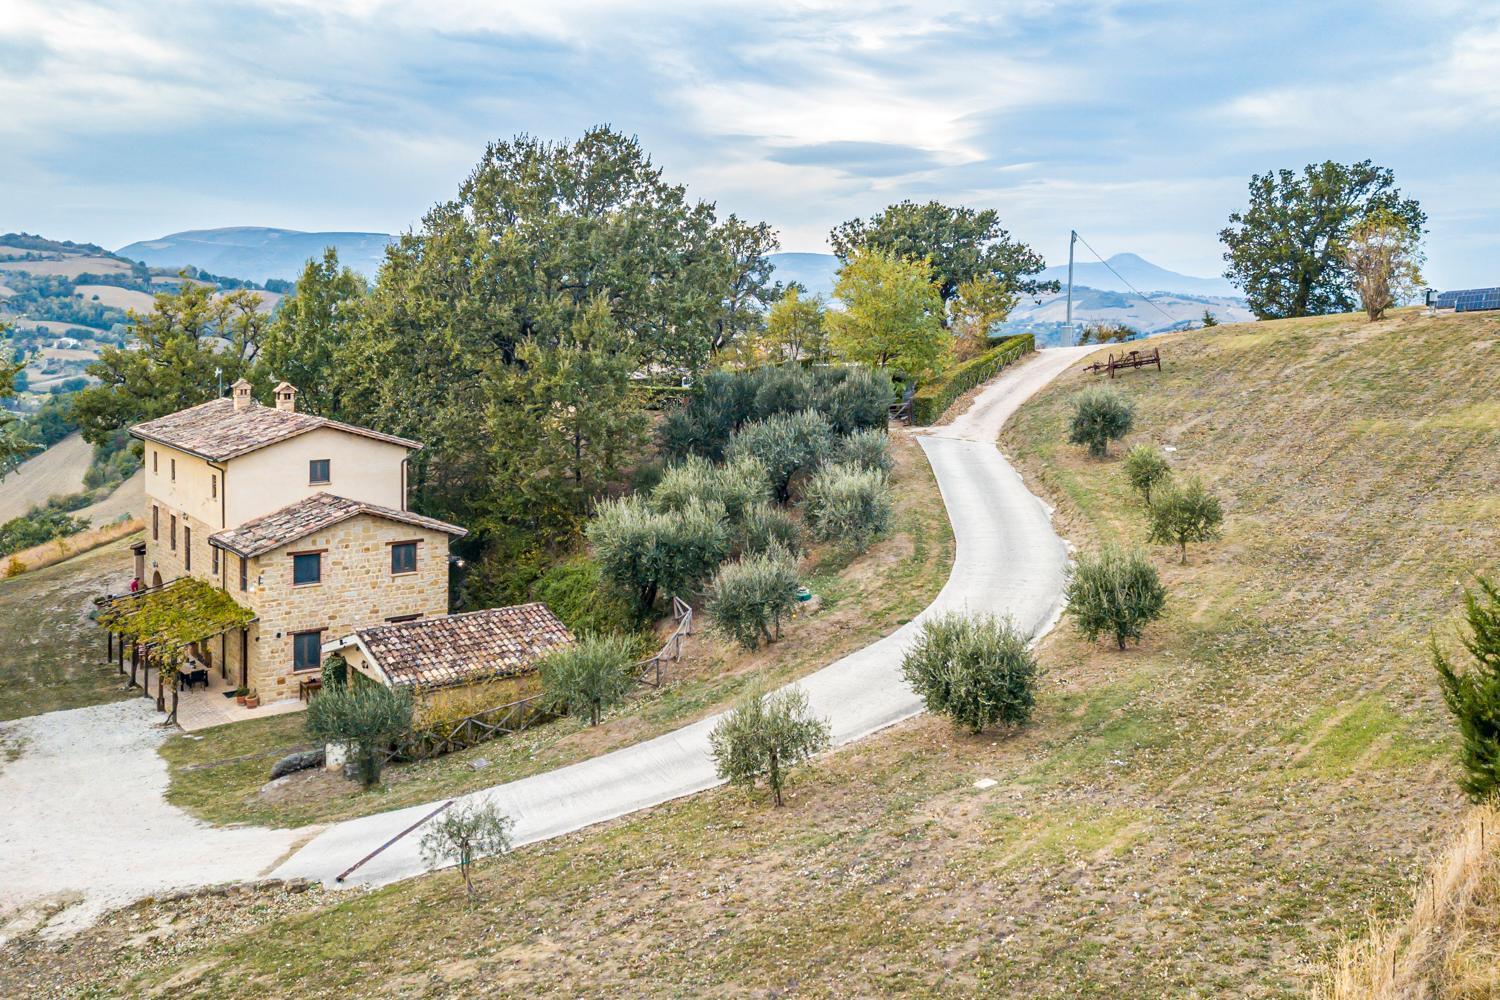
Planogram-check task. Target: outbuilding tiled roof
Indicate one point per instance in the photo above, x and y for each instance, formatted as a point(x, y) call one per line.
point(457, 649)
point(319, 511)
point(218, 432)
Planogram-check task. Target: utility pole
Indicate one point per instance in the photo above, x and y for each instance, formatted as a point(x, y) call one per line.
point(1072, 238)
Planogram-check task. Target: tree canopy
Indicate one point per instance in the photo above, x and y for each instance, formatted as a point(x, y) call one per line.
point(1287, 249)
point(962, 244)
point(892, 313)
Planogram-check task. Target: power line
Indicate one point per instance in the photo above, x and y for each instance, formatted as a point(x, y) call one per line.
point(1117, 274)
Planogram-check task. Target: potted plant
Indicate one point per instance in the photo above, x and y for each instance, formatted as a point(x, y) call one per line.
point(240, 694)
point(252, 700)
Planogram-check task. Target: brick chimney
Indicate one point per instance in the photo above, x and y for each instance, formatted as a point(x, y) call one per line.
point(286, 397)
point(242, 398)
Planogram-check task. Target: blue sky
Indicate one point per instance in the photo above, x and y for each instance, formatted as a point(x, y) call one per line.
point(1137, 123)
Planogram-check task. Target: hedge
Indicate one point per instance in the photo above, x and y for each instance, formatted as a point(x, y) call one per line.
point(931, 401)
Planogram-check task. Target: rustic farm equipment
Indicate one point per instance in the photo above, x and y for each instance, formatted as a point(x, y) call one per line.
point(1130, 359)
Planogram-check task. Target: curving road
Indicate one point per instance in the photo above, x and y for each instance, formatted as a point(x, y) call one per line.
point(1008, 562)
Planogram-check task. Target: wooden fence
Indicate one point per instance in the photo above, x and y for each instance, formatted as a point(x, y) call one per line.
point(515, 716)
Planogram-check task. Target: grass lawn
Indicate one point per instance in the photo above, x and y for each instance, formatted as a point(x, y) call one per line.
point(1205, 815)
point(219, 774)
point(52, 656)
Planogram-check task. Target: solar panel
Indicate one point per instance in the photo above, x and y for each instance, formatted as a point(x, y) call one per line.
point(1469, 299)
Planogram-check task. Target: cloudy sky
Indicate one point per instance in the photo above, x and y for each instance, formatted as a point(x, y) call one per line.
point(1137, 123)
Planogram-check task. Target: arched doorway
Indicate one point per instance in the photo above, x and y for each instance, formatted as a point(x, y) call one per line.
point(156, 578)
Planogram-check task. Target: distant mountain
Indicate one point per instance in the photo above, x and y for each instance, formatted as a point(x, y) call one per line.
point(1157, 312)
point(814, 271)
point(1141, 273)
point(256, 253)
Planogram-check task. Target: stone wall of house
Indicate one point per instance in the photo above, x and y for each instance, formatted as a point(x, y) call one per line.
point(357, 590)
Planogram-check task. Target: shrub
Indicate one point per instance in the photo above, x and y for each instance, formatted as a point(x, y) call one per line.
point(1473, 695)
point(749, 598)
point(780, 389)
point(335, 672)
point(847, 504)
point(976, 671)
point(766, 527)
point(736, 485)
point(765, 736)
point(367, 718)
point(589, 677)
point(1146, 467)
point(1185, 514)
point(578, 593)
point(785, 444)
point(647, 552)
point(854, 398)
point(866, 449)
point(705, 422)
point(933, 400)
point(1114, 593)
point(36, 526)
point(463, 833)
point(1099, 417)
point(14, 567)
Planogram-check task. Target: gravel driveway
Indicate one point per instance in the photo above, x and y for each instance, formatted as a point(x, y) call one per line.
point(84, 826)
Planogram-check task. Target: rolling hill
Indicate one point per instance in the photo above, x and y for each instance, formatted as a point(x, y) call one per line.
point(257, 253)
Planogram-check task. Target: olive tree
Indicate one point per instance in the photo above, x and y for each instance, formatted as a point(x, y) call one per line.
point(589, 677)
point(847, 504)
point(1099, 417)
point(868, 449)
point(1115, 593)
point(648, 552)
point(785, 444)
point(766, 736)
point(365, 717)
point(1473, 694)
point(1182, 514)
point(765, 527)
point(977, 671)
point(462, 834)
point(749, 598)
point(1146, 468)
point(734, 485)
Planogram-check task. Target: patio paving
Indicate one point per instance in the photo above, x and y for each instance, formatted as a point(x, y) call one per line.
point(204, 708)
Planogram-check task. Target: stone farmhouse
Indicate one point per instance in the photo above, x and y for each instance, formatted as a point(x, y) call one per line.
point(300, 519)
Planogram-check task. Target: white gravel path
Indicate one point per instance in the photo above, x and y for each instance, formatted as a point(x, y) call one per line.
point(1008, 561)
point(84, 826)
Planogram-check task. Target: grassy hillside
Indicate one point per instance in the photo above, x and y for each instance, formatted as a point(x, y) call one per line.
point(1209, 814)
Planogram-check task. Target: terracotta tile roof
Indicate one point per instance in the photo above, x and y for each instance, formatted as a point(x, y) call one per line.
point(456, 649)
point(319, 511)
point(217, 432)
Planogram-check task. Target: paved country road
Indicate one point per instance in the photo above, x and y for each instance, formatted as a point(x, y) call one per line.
point(84, 825)
point(1008, 562)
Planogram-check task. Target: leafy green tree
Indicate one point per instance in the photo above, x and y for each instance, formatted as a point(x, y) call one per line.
point(795, 329)
point(767, 736)
point(847, 504)
point(1473, 694)
point(1099, 417)
point(961, 243)
point(1107, 332)
point(311, 329)
point(1146, 467)
point(1287, 249)
point(649, 553)
point(892, 315)
point(745, 249)
point(1209, 319)
point(977, 671)
point(1385, 259)
point(1185, 514)
point(564, 421)
point(464, 833)
point(785, 445)
point(368, 718)
point(589, 677)
point(1116, 593)
point(13, 447)
point(193, 342)
point(979, 303)
point(577, 591)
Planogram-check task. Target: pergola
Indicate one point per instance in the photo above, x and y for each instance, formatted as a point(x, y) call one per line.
point(160, 623)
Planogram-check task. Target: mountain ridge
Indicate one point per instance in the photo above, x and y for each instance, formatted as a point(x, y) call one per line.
point(259, 253)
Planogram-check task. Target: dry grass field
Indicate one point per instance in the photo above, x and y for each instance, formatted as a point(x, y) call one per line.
point(119, 298)
point(1212, 813)
point(70, 267)
point(57, 471)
